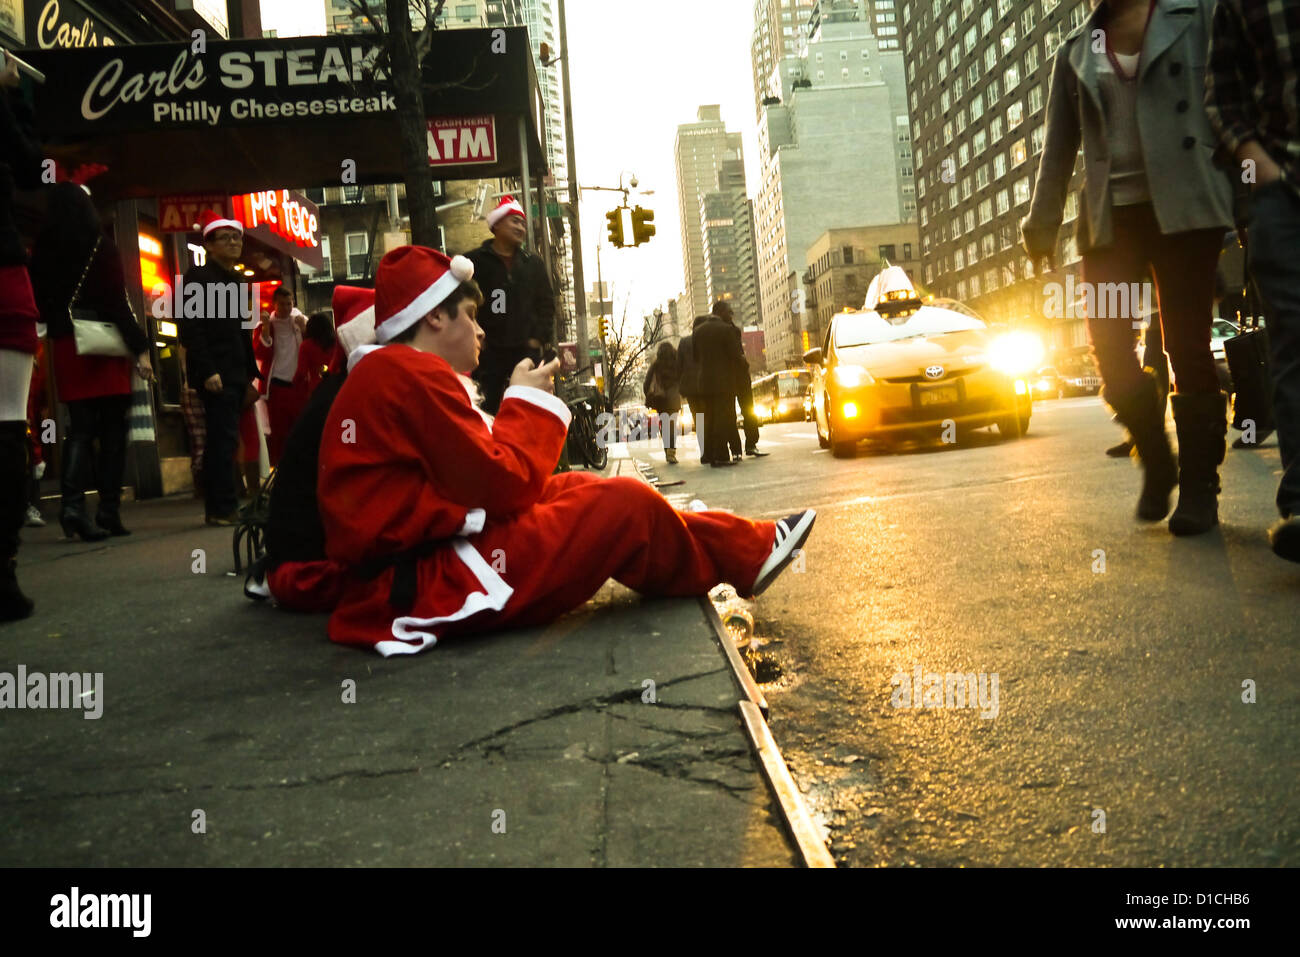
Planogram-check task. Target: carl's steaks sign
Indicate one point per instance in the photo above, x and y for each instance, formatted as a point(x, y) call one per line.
point(171, 86)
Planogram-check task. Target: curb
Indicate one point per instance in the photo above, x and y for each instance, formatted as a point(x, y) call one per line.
point(753, 708)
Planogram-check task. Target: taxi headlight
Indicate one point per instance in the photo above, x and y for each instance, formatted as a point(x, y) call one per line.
point(850, 377)
point(1015, 352)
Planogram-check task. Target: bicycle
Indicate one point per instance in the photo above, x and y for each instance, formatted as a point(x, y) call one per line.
point(585, 403)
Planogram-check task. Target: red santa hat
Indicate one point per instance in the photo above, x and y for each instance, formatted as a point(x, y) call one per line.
point(411, 282)
point(354, 322)
point(211, 221)
point(508, 206)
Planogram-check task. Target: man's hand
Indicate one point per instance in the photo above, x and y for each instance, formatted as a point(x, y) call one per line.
point(213, 383)
point(527, 374)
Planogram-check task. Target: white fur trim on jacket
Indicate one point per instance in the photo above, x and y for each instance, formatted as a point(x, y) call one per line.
point(543, 400)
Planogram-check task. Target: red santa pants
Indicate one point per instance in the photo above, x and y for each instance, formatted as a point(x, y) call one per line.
point(306, 586)
point(284, 405)
point(585, 530)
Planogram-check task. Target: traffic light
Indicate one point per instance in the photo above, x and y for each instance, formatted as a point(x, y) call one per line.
point(615, 219)
point(642, 225)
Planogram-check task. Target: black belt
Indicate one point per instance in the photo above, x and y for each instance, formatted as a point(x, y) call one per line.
point(401, 596)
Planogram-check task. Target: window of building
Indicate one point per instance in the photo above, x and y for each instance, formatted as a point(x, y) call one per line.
point(326, 272)
point(1035, 98)
point(1003, 201)
point(1018, 153)
point(1031, 61)
point(1021, 190)
point(358, 245)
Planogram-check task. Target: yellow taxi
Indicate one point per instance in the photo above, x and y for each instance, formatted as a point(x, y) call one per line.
point(901, 366)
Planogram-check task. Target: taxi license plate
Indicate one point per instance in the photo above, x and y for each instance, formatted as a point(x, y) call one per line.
point(944, 396)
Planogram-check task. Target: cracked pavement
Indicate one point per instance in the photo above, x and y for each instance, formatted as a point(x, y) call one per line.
point(520, 749)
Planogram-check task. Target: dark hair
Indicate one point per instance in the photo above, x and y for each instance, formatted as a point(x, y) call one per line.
point(451, 305)
point(320, 329)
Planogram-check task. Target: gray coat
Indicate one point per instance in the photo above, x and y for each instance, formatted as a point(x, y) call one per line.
point(1187, 190)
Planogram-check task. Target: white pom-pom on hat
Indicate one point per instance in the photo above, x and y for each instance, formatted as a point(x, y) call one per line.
point(462, 268)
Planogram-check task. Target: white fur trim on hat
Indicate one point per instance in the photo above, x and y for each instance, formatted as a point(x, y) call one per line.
point(223, 224)
point(505, 209)
point(461, 270)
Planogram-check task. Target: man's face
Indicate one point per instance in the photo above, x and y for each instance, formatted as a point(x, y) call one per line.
point(512, 230)
point(225, 246)
point(460, 339)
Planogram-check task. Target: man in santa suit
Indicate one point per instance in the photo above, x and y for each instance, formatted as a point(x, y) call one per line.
point(449, 522)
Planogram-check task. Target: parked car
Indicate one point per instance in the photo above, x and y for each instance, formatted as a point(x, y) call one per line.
point(901, 365)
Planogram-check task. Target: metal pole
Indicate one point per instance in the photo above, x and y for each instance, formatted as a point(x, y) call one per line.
point(523, 172)
point(580, 297)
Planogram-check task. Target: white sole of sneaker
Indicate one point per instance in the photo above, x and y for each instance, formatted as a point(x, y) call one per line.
point(785, 554)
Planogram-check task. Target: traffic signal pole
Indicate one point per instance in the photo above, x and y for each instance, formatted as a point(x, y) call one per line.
point(580, 290)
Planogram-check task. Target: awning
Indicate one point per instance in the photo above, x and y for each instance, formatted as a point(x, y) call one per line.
point(256, 114)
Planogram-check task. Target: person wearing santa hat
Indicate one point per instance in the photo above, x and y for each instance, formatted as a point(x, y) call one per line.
point(451, 523)
point(220, 363)
point(518, 315)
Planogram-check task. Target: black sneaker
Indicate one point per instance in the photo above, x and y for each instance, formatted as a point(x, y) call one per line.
point(1285, 538)
point(791, 532)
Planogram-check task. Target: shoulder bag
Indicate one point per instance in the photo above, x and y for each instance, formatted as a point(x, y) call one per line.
point(94, 336)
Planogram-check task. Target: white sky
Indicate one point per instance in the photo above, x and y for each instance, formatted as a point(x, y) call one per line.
point(638, 68)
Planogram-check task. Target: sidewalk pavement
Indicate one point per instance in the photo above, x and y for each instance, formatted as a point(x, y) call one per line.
point(532, 747)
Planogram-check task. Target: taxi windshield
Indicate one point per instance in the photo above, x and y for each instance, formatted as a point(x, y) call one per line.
point(869, 328)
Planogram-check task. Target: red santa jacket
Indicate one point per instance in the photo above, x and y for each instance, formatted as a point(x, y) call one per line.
point(407, 461)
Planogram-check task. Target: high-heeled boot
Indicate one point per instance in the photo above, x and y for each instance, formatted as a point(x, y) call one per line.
point(73, 481)
point(13, 508)
point(111, 465)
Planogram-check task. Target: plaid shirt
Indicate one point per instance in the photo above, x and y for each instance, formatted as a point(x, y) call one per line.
point(1250, 83)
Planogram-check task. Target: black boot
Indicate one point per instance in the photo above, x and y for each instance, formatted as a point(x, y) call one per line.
point(1143, 414)
point(13, 508)
point(111, 466)
point(74, 479)
point(1202, 422)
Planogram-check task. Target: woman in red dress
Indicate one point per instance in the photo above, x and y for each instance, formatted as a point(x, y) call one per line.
point(20, 166)
point(97, 389)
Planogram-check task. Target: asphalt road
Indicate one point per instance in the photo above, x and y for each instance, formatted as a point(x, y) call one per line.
point(1120, 737)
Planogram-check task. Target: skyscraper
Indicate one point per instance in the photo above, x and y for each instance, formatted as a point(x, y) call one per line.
point(701, 149)
point(836, 153)
point(978, 76)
